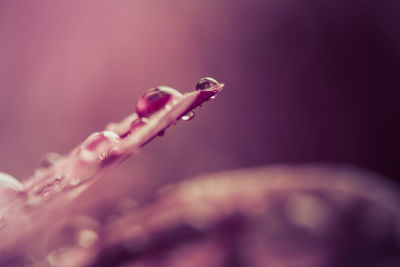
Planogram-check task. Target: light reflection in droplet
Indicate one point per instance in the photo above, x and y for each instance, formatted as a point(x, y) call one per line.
point(188, 116)
point(205, 83)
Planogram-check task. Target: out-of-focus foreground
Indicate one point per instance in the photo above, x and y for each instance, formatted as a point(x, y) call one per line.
point(278, 216)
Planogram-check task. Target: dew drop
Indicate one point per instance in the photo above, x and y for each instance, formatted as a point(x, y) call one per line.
point(205, 83)
point(10, 188)
point(188, 116)
point(213, 97)
point(155, 99)
point(98, 145)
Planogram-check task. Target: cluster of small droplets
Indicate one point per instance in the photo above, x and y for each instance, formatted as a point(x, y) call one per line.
point(156, 99)
point(98, 147)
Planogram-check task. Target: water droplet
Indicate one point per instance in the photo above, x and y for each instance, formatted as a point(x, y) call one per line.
point(154, 100)
point(98, 145)
point(205, 83)
point(213, 97)
point(10, 188)
point(188, 116)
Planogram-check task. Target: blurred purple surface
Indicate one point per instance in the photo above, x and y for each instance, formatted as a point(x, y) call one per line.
point(307, 81)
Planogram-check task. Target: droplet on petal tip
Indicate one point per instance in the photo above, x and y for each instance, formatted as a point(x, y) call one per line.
point(205, 83)
point(155, 99)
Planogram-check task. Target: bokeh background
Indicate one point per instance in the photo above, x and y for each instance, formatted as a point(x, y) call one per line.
point(306, 81)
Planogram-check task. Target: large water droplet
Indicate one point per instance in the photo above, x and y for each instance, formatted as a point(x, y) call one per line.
point(10, 189)
point(205, 83)
point(98, 145)
point(188, 116)
point(154, 100)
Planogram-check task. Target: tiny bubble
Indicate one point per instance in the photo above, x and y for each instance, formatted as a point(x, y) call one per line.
point(188, 116)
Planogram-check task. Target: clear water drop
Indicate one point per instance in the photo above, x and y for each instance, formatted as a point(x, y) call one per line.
point(154, 100)
point(213, 97)
point(188, 116)
point(98, 145)
point(10, 189)
point(205, 83)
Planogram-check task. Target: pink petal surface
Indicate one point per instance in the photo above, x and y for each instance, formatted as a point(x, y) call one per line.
point(63, 178)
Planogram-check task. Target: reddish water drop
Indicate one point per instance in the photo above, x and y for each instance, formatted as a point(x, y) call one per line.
point(154, 100)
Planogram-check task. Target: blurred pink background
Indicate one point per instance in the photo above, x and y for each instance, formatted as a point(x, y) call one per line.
point(306, 81)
